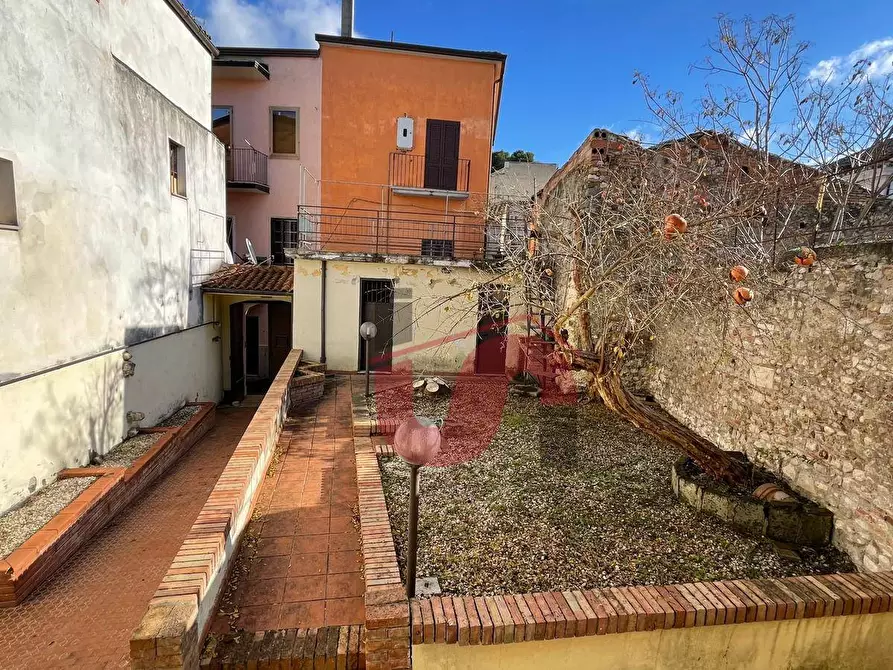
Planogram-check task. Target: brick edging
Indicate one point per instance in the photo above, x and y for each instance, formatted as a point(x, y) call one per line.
point(35, 562)
point(331, 647)
point(552, 615)
point(172, 629)
point(387, 608)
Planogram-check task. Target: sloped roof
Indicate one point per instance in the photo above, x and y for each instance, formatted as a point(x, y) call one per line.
point(248, 278)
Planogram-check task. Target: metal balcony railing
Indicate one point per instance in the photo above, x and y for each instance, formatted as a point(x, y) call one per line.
point(409, 171)
point(442, 236)
point(246, 168)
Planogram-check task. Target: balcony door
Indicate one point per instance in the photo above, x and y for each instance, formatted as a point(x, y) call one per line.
point(442, 154)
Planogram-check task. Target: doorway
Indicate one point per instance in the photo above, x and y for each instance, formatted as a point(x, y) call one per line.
point(236, 351)
point(377, 306)
point(252, 342)
point(492, 330)
point(279, 314)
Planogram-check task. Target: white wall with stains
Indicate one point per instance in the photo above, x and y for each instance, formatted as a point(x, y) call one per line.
point(102, 253)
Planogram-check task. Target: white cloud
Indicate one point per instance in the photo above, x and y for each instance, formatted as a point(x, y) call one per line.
point(271, 23)
point(638, 135)
point(875, 59)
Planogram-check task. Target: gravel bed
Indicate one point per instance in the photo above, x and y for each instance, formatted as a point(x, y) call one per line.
point(569, 497)
point(180, 417)
point(18, 524)
point(129, 450)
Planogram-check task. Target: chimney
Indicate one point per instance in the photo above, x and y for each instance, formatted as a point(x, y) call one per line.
point(346, 18)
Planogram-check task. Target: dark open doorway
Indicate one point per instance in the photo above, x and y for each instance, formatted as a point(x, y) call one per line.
point(260, 340)
point(280, 334)
point(236, 352)
point(377, 306)
point(252, 340)
point(492, 330)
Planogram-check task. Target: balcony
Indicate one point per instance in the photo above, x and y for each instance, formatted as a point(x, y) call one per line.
point(246, 170)
point(368, 234)
point(409, 174)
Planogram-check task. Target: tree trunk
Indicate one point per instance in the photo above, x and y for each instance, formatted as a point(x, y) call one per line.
point(713, 460)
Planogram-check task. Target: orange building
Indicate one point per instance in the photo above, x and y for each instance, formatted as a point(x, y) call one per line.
point(407, 135)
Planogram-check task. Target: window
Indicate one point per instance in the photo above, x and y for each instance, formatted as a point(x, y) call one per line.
point(283, 235)
point(222, 123)
point(178, 169)
point(437, 248)
point(284, 124)
point(442, 154)
point(8, 218)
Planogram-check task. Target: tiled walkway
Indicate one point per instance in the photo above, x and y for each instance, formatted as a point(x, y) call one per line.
point(84, 617)
point(300, 564)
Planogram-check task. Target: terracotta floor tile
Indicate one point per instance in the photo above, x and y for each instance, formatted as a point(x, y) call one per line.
point(345, 561)
point(344, 541)
point(274, 546)
point(306, 544)
point(341, 524)
point(300, 589)
point(259, 617)
point(303, 615)
point(314, 512)
point(340, 509)
point(268, 567)
point(345, 585)
point(307, 564)
point(263, 592)
point(312, 527)
point(279, 527)
point(345, 612)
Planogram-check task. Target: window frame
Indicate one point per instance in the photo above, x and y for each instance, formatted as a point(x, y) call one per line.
point(231, 122)
point(6, 164)
point(182, 170)
point(297, 152)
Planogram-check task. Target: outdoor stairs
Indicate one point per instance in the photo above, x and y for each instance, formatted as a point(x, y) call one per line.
point(331, 647)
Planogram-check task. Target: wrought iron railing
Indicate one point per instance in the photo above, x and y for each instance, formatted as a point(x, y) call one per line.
point(445, 236)
point(408, 171)
point(246, 166)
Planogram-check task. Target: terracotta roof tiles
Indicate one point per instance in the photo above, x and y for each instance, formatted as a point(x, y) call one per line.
point(247, 278)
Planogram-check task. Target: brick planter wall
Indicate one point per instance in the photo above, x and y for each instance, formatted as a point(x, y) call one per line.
point(171, 632)
point(37, 559)
point(307, 385)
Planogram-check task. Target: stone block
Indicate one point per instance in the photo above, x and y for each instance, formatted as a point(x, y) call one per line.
point(816, 526)
point(749, 516)
point(690, 493)
point(716, 504)
point(783, 521)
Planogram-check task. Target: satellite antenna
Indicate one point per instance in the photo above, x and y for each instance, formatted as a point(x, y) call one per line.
point(247, 142)
point(252, 257)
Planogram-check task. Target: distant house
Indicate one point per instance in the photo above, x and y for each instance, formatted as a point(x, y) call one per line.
point(871, 169)
point(112, 207)
point(512, 191)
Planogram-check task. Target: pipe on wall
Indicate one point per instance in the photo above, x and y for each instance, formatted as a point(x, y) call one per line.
point(322, 313)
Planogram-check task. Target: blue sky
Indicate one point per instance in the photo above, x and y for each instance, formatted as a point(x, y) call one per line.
point(570, 62)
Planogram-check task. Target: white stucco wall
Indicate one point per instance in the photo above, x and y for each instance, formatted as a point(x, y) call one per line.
point(102, 254)
point(421, 290)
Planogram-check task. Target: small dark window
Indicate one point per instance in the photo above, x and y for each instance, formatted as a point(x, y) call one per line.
point(437, 248)
point(8, 217)
point(284, 130)
point(178, 168)
point(283, 235)
point(222, 123)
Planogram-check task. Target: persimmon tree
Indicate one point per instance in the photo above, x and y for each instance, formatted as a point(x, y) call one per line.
point(629, 237)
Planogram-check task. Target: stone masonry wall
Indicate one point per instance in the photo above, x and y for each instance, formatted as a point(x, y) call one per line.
point(802, 382)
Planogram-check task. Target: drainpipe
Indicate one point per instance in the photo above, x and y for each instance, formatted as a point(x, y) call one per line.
point(322, 314)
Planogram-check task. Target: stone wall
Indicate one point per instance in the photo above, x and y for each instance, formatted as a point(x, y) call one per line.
point(801, 381)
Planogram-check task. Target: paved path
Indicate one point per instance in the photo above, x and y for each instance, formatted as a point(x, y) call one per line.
point(299, 566)
point(84, 617)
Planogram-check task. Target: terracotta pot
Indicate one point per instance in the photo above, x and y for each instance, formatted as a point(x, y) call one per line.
point(742, 295)
point(738, 273)
point(770, 492)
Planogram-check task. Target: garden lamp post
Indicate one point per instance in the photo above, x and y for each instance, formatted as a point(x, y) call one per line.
point(368, 330)
point(417, 441)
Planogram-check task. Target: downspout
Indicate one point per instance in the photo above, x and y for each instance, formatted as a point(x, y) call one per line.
point(322, 314)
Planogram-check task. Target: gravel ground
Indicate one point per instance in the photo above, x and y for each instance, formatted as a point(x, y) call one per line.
point(180, 417)
point(129, 450)
point(570, 497)
point(19, 524)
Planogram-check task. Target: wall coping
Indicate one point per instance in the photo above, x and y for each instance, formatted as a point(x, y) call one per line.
point(553, 615)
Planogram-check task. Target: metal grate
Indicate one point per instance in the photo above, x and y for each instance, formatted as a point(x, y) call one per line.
point(378, 291)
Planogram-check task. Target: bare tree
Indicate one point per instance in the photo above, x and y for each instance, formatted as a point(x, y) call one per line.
point(630, 238)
